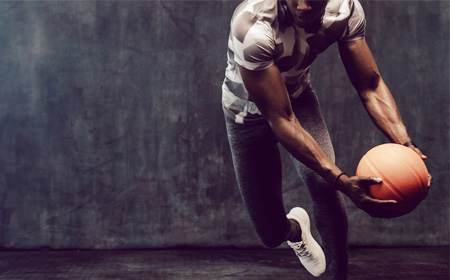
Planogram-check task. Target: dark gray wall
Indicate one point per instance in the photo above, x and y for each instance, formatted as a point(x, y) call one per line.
point(112, 132)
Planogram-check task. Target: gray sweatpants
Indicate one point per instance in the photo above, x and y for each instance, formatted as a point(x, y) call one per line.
point(257, 165)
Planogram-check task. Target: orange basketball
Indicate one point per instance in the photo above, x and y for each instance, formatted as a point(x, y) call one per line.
point(404, 174)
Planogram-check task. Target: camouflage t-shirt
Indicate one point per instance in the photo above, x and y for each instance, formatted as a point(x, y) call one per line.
point(257, 40)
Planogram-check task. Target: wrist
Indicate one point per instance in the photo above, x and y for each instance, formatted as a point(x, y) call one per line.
point(339, 183)
point(409, 143)
point(329, 172)
point(336, 181)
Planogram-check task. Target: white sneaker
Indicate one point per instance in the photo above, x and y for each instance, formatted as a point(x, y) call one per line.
point(308, 250)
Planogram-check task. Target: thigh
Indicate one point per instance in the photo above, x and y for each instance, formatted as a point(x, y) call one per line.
point(307, 109)
point(256, 159)
point(257, 164)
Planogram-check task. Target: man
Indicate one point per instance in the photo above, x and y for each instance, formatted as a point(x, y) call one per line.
point(267, 98)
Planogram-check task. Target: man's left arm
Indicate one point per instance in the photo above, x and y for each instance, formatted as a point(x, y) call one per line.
point(375, 95)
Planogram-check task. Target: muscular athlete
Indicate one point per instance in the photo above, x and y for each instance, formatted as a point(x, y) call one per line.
point(268, 99)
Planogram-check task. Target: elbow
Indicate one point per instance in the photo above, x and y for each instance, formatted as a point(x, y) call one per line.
point(374, 81)
point(280, 120)
point(285, 127)
point(370, 83)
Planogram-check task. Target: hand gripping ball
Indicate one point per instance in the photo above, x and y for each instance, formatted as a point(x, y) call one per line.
point(404, 174)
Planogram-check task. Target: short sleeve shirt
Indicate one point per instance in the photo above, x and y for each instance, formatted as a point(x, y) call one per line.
point(257, 40)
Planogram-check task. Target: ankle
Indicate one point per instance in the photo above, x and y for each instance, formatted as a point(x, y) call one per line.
point(295, 233)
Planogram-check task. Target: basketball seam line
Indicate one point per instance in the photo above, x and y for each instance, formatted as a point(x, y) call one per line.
point(386, 181)
point(418, 178)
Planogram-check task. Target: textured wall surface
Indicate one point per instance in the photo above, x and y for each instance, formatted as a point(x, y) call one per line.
point(112, 134)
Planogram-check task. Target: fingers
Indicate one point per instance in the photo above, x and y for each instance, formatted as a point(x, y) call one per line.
point(430, 180)
point(379, 208)
point(424, 157)
point(375, 180)
point(419, 152)
point(366, 182)
point(383, 202)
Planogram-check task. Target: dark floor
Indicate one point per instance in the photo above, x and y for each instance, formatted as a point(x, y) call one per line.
point(424, 263)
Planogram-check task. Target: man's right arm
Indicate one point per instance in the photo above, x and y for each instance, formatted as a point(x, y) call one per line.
point(267, 90)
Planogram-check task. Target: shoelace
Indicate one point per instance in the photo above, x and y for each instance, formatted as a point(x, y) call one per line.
point(301, 250)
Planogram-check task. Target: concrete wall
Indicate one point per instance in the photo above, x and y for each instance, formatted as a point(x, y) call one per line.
point(112, 132)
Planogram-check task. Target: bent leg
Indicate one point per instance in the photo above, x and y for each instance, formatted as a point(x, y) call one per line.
point(257, 166)
point(329, 207)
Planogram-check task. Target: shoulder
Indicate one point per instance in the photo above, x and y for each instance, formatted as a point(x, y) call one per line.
point(254, 16)
point(252, 37)
point(343, 10)
point(347, 16)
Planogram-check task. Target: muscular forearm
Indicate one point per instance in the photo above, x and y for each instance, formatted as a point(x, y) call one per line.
point(383, 111)
point(267, 90)
point(376, 97)
point(300, 144)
